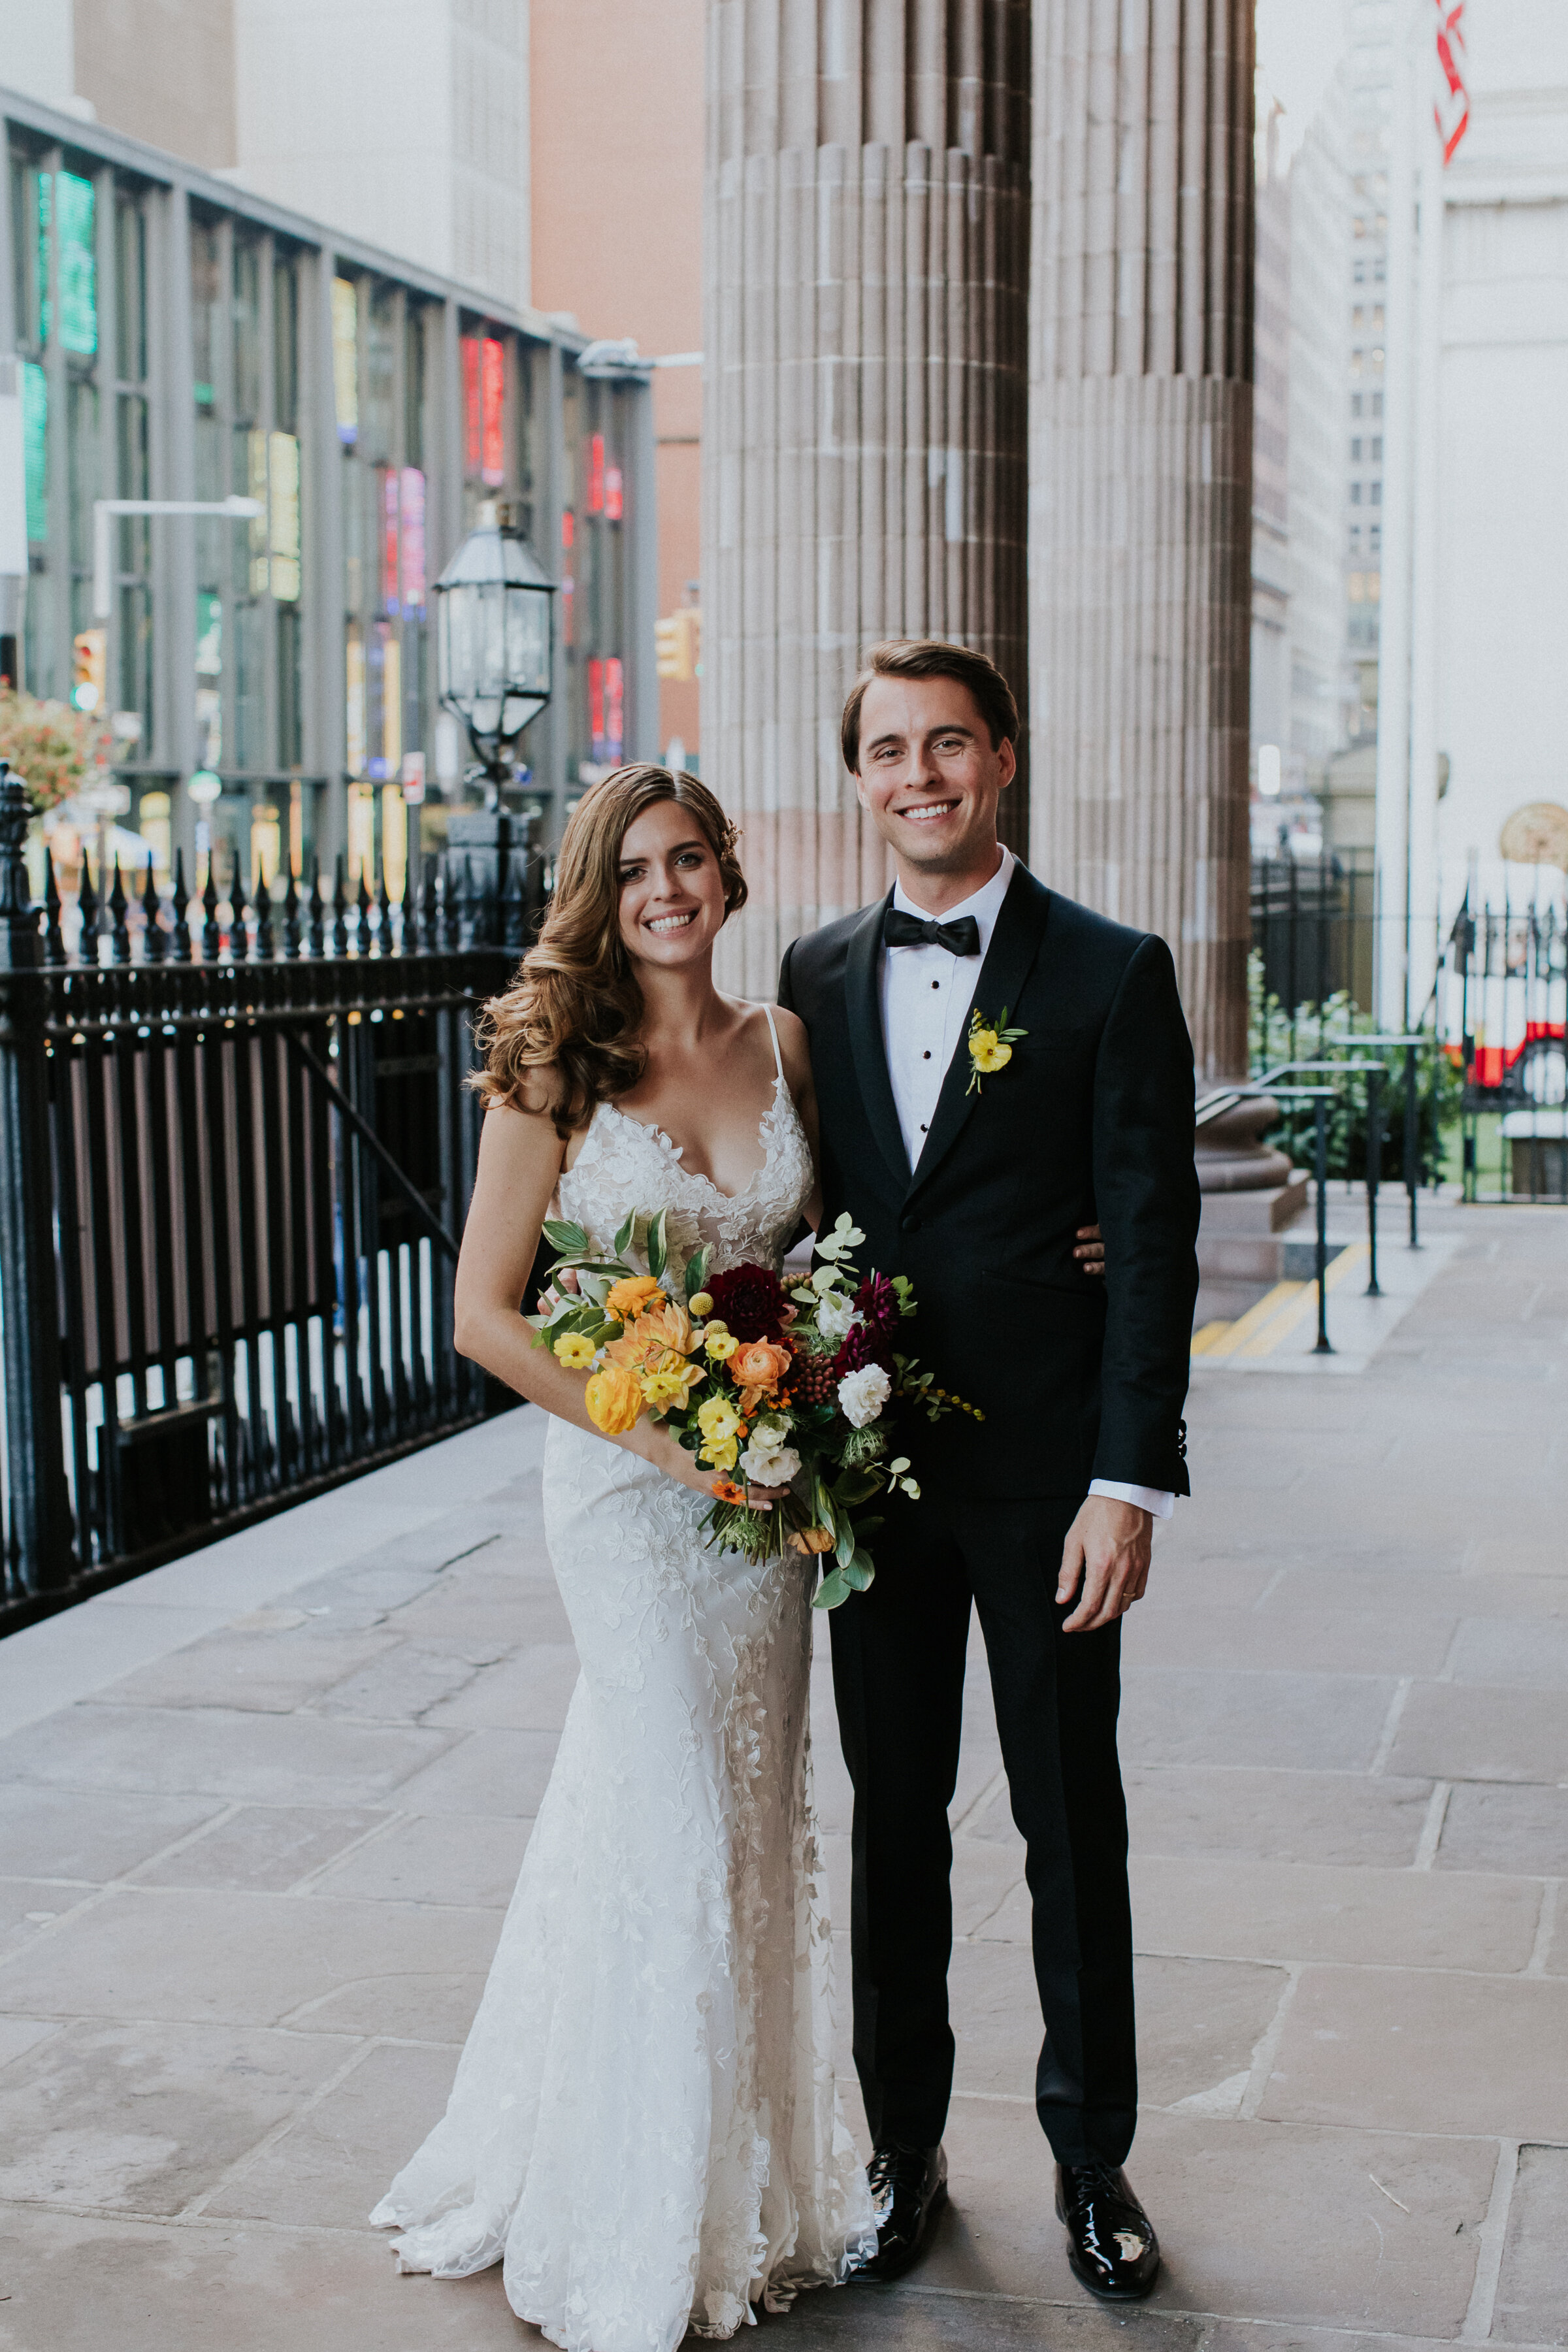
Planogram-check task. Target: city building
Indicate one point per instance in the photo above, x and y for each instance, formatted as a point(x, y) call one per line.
point(1500, 489)
point(1363, 100)
point(617, 246)
point(183, 339)
point(1269, 700)
point(1302, 703)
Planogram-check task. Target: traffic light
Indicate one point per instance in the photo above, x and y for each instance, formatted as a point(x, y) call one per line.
point(667, 636)
point(91, 653)
point(679, 644)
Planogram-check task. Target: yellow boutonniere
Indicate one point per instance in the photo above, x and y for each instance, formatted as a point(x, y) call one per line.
point(991, 1045)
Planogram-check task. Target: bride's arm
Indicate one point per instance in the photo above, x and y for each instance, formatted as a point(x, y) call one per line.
point(520, 1165)
point(795, 1045)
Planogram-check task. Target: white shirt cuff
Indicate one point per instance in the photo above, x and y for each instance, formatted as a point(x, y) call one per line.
point(1147, 1498)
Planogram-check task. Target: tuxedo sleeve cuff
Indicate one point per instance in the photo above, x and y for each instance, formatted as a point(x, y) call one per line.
point(1147, 1498)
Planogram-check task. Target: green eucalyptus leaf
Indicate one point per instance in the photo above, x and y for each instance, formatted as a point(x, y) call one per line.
point(696, 1267)
point(861, 1572)
point(831, 1591)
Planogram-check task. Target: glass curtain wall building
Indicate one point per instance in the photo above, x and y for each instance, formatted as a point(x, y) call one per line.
point(179, 340)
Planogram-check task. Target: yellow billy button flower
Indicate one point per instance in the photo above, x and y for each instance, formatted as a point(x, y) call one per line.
point(574, 1350)
point(701, 1305)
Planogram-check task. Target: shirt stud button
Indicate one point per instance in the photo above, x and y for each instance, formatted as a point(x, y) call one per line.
point(926, 1056)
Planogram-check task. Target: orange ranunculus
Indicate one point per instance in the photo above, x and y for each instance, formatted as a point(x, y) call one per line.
point(615, 1399)
point(757, 1369)
point(809, 1539)
point(629, 1297)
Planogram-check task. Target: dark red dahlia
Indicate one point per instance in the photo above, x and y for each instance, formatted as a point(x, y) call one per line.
point(866, 1344)
point(879, 1303)
point(751, 1300)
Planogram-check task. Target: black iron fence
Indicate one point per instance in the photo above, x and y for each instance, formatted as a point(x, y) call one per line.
point(1314, 935)
point(1502, 1008)
point(238, 1146)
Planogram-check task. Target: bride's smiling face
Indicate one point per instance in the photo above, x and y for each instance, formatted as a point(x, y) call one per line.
point(672, 892)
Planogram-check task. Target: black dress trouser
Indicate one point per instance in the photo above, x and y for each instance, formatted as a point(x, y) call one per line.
point(898, 1673)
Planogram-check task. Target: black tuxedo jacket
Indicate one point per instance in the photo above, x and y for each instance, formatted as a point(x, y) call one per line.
point(1092, 1117)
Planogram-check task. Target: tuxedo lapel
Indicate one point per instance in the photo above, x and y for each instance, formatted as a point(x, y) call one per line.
point(1014, 943)
point(862, 975)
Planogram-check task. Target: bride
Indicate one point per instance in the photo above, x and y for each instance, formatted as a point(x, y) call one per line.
point(644, 2130)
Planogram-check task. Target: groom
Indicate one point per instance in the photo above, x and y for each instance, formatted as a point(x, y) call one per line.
point(1040, 1514)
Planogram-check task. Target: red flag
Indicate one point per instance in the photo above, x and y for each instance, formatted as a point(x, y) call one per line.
point(1452, 113)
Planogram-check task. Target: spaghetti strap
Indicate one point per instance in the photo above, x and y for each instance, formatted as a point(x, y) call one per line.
point(772, 1033)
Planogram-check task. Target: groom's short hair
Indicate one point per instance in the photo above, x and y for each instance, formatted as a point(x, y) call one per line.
point(933, 657)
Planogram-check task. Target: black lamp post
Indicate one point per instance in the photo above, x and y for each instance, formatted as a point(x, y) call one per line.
point(494, 641)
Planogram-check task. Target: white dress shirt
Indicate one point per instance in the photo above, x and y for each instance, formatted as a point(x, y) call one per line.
point(926, 995)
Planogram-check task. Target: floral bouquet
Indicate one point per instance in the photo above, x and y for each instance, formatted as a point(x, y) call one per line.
point(789, 1384)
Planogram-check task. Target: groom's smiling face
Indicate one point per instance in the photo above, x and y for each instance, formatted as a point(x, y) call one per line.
point(929, 775)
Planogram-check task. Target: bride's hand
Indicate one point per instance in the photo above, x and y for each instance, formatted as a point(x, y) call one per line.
point(762, 1498)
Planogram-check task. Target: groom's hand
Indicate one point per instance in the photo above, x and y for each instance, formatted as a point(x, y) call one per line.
point(1090, 1250)
point(1108, 1547)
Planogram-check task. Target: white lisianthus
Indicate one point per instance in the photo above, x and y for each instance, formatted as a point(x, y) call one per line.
point(862, 1395)
point(775, 1467)
point(837, 1316)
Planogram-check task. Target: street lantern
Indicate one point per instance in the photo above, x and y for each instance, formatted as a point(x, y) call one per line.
point(494, 639)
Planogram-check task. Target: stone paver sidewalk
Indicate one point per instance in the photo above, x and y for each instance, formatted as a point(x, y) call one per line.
point(248, 1890)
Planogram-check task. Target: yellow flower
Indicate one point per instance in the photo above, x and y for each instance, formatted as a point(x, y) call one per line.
point(671, 1382)
point(987, 1052)
point(574, 1350)
point(701, 1305)
point(615, 1399)
point(718, 1420)
point(720, 1345)
point(723, 1454)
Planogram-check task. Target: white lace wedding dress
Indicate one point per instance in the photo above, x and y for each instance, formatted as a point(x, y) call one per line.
point(644, 2127)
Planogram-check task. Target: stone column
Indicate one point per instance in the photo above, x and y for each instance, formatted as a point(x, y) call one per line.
point(1140, 469)
point(866, 395)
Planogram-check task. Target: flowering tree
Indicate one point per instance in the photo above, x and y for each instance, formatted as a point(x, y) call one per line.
point(52, 748)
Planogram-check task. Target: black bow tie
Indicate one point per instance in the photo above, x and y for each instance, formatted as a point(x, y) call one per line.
point(901, 930)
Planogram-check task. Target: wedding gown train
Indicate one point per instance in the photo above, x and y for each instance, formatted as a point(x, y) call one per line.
point(644, 2128)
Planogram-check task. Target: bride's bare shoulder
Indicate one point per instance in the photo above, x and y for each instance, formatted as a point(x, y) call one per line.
point(522, 1123)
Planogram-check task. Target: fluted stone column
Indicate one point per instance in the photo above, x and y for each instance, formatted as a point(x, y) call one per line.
point(866, 402)
point(1140, 467)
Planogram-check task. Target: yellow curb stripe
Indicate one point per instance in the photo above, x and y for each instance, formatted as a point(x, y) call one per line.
point(1265, 1342)
point(1283, 1294)
point(1205, 1340)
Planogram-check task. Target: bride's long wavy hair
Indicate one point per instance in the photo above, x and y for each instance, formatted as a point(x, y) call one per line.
point(575, 1007)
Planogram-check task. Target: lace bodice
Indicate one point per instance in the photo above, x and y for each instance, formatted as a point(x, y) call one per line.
point(625, 1164)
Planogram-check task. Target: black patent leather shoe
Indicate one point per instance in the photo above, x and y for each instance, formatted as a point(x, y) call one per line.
point(909, 2188)
point(1111, 2243)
